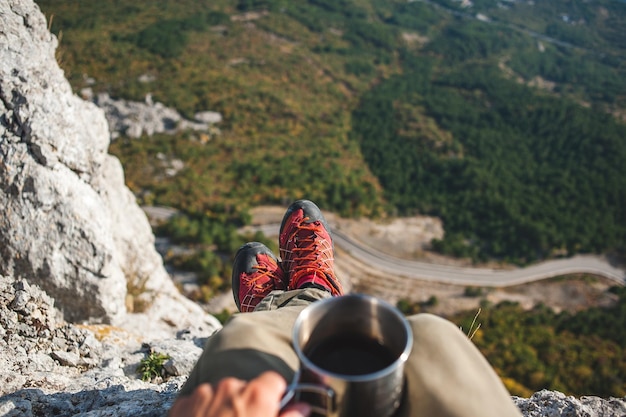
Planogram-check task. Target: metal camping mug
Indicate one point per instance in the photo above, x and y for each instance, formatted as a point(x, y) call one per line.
point(352, 350)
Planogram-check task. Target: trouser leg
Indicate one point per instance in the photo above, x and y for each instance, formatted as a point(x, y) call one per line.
point(251, 343)
point(447, 376)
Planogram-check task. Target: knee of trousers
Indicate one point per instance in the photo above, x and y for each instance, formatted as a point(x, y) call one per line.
point(265, 337)
point(248, 345)
point(267, 331)
point(448, 376)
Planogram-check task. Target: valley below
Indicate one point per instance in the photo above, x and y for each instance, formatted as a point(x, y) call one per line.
point(406, 240)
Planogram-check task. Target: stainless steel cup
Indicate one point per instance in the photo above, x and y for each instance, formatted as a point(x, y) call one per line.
point(352, 351)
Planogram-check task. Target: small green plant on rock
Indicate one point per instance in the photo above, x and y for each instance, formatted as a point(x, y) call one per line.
point(151, 366)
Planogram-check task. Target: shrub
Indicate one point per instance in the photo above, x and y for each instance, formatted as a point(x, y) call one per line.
point(151, 366)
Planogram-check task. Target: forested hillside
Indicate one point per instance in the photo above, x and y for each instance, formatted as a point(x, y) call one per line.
point(579, 353)
point(506, 119)
point(519, 175)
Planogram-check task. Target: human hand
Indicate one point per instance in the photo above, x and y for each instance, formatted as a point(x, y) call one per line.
point(236, 398)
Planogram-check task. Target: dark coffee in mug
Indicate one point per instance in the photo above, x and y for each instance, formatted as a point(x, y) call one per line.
point(350, 354)
point(352, 350)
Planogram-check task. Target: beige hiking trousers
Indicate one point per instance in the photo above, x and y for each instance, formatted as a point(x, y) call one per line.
point(446, 374)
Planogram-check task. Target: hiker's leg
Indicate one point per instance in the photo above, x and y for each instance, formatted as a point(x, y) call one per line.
point(261, 340)
point(251, 343)
point(447, 376)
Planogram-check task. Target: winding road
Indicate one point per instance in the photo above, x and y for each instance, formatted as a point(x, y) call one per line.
point(483, 277)
point(465, 276)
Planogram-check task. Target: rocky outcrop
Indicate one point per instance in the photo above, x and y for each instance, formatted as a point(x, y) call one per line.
point(51, 367)
point(134, 118)
point(51, 182)
point(556, 404)
point(68, 222)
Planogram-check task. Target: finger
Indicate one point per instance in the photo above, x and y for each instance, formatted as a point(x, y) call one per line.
point(263, 394)
point(228, 388)
point(223, 402)
point(193, 405)
point(296, 410)
point(272, 384)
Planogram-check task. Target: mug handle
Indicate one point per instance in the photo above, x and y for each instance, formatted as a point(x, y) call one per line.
point(326, 392)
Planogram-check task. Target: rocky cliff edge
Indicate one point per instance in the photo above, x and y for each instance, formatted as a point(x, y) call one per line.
point(68, 223)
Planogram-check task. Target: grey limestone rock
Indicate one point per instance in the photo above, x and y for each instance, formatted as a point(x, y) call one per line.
point(66, 369)
point(556, 404)
point(68, 223)
point(116, 400)
point(52, 148)
point(134, 118)
point(183, 355)
point(209, 117)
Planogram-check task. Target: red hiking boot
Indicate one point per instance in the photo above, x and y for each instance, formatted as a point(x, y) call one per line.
point(256, 273)
point(306, 249)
